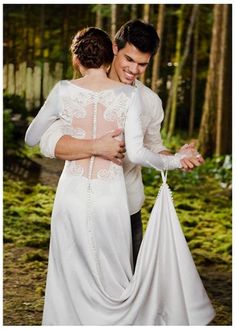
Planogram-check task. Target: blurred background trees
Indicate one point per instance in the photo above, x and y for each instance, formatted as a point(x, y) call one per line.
point(191, 72)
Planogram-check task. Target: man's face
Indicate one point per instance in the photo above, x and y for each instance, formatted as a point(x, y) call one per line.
point(128, 63)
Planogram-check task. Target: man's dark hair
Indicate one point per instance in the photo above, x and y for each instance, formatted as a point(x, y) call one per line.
point(140, 34)
point(93, 47)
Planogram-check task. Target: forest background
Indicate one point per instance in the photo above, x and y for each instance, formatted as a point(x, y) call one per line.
point(192, 73)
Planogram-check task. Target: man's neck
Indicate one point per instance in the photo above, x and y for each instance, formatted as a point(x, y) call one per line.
point(112, 74)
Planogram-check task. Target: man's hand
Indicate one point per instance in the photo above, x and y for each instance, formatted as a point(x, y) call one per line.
point(189, 163)
point(192, 159)
point(109, 148)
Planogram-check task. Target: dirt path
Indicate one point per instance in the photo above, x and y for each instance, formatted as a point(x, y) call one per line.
point(25, 275)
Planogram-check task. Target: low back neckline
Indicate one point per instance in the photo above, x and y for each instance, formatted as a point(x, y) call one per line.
point(97, 91)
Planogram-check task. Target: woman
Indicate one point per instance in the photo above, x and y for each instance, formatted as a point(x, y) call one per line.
point(90, 277)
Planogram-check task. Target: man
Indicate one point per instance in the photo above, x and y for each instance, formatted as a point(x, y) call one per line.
point(135, 44)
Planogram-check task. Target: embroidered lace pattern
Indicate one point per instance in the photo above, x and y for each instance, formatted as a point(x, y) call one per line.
point(89, 115)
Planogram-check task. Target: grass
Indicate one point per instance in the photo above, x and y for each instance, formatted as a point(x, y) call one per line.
point(203, 203)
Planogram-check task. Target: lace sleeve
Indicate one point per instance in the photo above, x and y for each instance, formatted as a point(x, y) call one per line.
point(136, 151)
point(46, 116)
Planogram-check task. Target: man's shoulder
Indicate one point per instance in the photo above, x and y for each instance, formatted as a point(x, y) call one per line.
point(147, 93)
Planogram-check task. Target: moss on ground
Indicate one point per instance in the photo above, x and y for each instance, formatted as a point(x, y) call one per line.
point(203, 204)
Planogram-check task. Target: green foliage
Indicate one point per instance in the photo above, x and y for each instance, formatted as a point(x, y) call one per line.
point(29, 152)
point(16, 104)
point(105, 10)
point(175, 142)
point(14, 116)
point(27, 210)
point(8, 131)
point(15, 121)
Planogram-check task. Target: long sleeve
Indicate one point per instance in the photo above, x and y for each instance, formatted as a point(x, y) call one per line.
point(50, 138)
point(46, 116)
point(152, 136)
point(136, 151)
point(152, 117)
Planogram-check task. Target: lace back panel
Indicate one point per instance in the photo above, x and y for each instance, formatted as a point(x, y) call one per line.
point(90, 115)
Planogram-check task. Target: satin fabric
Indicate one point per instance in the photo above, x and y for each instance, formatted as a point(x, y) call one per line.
point(90, 279)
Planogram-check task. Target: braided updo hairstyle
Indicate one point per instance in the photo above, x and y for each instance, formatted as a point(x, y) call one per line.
point(92, 47)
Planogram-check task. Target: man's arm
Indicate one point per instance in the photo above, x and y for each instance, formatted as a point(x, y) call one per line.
point(194, 158)
point(107, 147)
point(153, 139)
point(54, 143)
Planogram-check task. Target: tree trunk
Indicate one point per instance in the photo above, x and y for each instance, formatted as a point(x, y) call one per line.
point(65, 34)
point(167, 108)
point(174, 84)
point(157, 57)
point(146, 11)
point(133, 11)
point(99, 16)
point(221, 82)
point(207, 131)
point(113, 20)
point(194, 79)
point(227, 117)
point(180, 61)
point(42, 33)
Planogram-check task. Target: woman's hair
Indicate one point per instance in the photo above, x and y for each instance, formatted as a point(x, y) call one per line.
point(92, 47)
point(140, 34)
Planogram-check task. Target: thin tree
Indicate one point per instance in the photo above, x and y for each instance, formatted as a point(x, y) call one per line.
point(157, 57)
point(180, 61)
point(42, 43)
point(98, 16)
point(113, 20)
point(171, 90)
point(65, 34)
point(207, 133)
point(146, 13)
point(194, 78)
point(134, 11)
point(226, 140)
point(221, 81)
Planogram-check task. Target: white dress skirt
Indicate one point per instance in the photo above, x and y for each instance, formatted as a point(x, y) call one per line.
point(90, 278)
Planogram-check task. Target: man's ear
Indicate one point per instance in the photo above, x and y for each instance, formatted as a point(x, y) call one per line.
point(115, 49)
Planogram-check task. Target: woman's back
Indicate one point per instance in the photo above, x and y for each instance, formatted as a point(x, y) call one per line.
point(90, 114)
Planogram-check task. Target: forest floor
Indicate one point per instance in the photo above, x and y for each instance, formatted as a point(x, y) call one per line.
point(25, 267)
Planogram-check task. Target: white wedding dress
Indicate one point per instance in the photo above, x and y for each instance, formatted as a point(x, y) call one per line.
point(90, 278)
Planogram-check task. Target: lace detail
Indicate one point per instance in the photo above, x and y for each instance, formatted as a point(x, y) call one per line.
point(75, 168)
point(75, 106)
point(91, 115)
point(111, 173)
point(74, 132)
point(116, 109)
point(78, 133)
